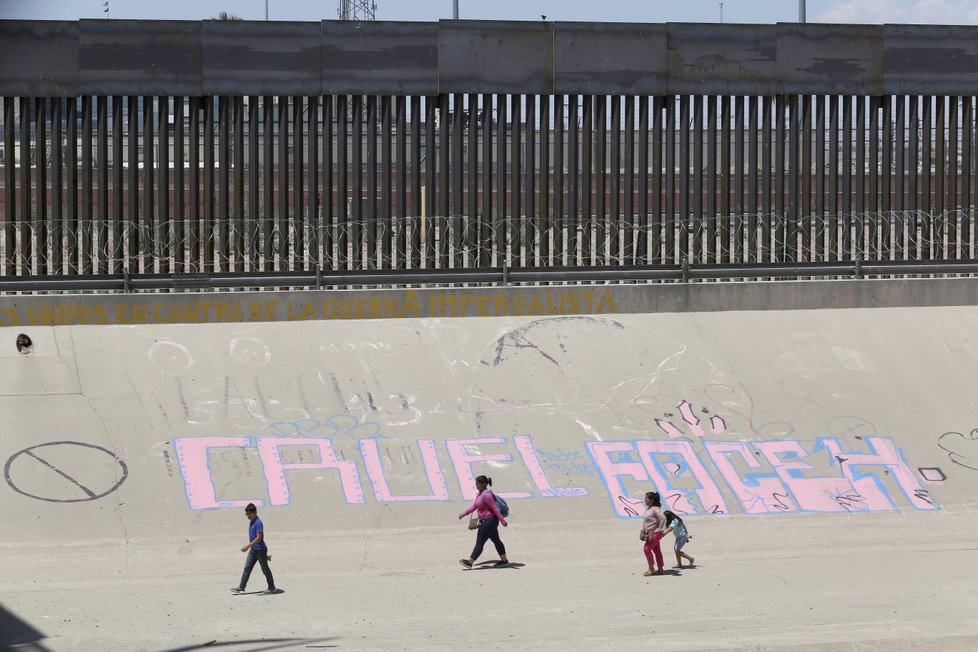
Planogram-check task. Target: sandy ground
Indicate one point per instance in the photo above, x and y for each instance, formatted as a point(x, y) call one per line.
point(874, 582)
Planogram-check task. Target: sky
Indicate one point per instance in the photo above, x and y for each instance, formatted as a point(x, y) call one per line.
point(960, 12)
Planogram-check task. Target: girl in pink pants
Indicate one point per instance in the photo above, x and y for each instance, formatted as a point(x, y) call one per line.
point(653, 529)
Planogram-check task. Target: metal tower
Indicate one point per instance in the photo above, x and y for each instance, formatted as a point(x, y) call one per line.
point(358, 10)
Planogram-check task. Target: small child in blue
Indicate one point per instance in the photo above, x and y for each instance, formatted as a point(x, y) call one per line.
point(675, 525)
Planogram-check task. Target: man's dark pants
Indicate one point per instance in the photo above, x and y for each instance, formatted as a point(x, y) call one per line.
point(261, 557)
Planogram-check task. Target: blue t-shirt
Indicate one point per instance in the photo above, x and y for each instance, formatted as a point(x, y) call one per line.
point(254, 527)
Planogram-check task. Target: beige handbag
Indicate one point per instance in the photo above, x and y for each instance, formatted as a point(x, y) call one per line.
point(474, 522)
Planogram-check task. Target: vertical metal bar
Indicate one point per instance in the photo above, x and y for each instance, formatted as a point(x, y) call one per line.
point(766, 217)
point(967, 122)
point(739, 206)
point(297, 214)
point(148, 195)
point(859, 219)
point(57, 182)
point(180, 204)
point(9, 187)
point(671, 221)
point(23, 241)
point(781, 189)
point(416, 161)
point(701, 225)
point(718, 178)
point(574, 179)
point(312, 260)
point(131, 227)
point(753, 179)
point(804, 199)
point(886, 204)
point(516, 147)
point(832, 206)
point(41, 214)
point(239, 217)
point(940, 162)
point(560, 171)
point(329, 181)
point(587, 177)
point(402, 181)
point(253, 218)
point(442, 215)
point(660, 107)
point(84, 232)
point(845, 248)
point(223, 218)
point(386, 192)
point(486, 219)
point(456, 174)
point(818, 241)
point(267, 252)
point(163, 182)
point(697, 218)
point(471, 215)
point(193, 204)
point(900, 175)
point(614, 253)
point(431, 159)
point(600, 168)
point(101, 263)
point(628, 254)
point(642, 251)
point(871, 219)
point(281, 189)
point(951, 203)
point(545, 216)
point(369, 215)
point(791, 185)
point(207, 217)
point(530, 250)
point(914, 180)
point(356, 182)
point(684, 220)
point(926, 166)
point(71, 207)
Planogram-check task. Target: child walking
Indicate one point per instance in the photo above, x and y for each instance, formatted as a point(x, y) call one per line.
point(675, 525)
point(653, 527)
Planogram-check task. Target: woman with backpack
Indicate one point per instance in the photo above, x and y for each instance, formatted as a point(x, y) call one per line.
point(489, 520)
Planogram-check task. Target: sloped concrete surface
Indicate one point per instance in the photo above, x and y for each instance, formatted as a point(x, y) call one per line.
point(826, 462)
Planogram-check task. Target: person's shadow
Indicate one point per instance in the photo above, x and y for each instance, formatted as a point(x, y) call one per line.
point(490, 565)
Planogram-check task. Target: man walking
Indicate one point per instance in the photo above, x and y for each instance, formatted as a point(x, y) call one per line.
point(257, 552)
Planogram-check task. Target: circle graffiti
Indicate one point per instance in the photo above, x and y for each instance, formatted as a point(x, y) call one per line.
point(67, 471)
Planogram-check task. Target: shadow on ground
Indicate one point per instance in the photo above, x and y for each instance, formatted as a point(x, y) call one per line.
point(15, 632)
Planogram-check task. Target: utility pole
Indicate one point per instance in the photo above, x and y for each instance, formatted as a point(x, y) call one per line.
point(801, 11)
point(455, 9)
point(266, 11)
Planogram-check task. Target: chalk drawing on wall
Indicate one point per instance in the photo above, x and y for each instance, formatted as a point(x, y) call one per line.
point(961, 449)
point(65, 472)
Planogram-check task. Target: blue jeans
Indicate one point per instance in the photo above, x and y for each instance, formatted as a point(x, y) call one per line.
point(488, 531)
point(261, 557)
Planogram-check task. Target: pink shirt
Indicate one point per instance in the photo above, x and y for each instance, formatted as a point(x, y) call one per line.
point(654, 521)
point(486, 504)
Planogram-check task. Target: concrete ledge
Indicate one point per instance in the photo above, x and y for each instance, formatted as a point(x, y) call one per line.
point(216, 307)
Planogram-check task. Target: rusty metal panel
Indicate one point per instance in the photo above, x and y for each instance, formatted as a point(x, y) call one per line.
point(614, 58)
point(39, 59)
point(830, 58)
point(139, 57)
point(930, 59)
point(262, 58)
point(502, 57)
point(379, 57)
point(723, 59)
